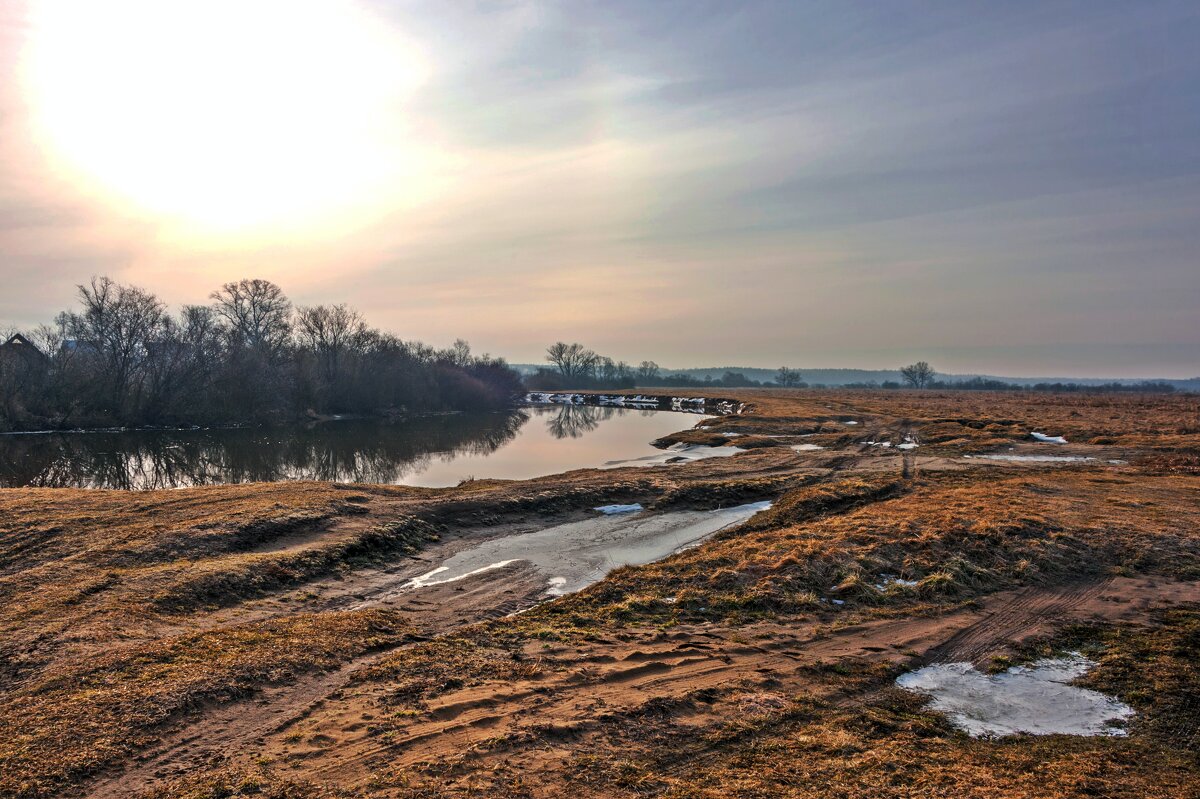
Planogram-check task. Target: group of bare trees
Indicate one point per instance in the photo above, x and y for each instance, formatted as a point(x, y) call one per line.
point(576, 366)
point(247, 357)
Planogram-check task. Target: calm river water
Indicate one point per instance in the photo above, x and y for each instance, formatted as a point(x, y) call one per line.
point(421, 451)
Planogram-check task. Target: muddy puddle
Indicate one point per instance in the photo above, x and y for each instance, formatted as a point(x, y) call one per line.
point(572, 556)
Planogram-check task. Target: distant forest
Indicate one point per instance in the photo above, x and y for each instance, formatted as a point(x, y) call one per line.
point(247, 357)
point(574, 366)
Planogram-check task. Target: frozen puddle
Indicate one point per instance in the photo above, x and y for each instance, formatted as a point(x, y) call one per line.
point(575, 555)
point(1035, 458)
point(677, 453)
point(1035, 699)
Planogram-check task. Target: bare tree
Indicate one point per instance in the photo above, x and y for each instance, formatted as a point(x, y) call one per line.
point(918, 375)
point(116, 327)
point(329, 331)
point(647, 372)
point(257, 312)
point(788, 378)
point(458, 353)
point(572, 360)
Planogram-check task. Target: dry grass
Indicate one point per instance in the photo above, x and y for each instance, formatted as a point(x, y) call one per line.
point(77, 717)
point(109, 628)
point(956, 534)
point(969, 421)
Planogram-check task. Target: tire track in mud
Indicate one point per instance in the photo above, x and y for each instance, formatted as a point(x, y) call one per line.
point(226, 728)
point(611, 680)
point(600, 681)
point(218, 732)
point(1033, 610)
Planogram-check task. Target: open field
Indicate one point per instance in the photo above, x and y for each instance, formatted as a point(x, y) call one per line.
point(257, 640)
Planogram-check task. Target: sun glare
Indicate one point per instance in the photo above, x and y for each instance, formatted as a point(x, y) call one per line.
point(227, 116)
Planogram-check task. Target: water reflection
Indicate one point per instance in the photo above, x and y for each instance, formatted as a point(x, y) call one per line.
point(429, 451)
point(573, 421)
point(344, 451)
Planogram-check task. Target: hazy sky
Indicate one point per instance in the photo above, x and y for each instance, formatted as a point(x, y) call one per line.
point(1003, 187)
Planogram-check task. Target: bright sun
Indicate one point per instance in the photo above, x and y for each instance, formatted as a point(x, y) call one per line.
point(231, 116)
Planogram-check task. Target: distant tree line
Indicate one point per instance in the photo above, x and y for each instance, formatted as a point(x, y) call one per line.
point(574, 366)
point(922, 375)
point(247, 357)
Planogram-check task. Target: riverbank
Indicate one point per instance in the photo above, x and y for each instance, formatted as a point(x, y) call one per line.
point(261, 638)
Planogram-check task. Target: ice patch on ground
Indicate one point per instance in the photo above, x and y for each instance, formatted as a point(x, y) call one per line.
point(850, 422)
point(678, 453)
point(1045, 439)
point(610, 510)
point(1035, 699)
point(806, 447)
point(620, 400)
point(1035, 458)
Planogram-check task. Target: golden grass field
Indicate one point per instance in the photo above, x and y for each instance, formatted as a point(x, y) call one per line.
point(215, 642)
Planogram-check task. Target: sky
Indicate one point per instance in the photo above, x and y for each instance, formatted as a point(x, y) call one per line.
point(1005, 188)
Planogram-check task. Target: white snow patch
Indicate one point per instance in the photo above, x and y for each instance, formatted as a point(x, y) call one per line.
point(1035, 699)
point(850, 422)
point(556, 586)
point(907, 445)
point(886, 581)
point(806, 447)
point(610, 510)
point(1045, 439)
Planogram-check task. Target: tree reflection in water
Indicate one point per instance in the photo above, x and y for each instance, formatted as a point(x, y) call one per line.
point(573, 421)
point(345, 451)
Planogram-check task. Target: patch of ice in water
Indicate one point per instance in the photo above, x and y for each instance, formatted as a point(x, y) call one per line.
point(610, 510)
point(806, 447)
point(1035, 699)
point(1045, 439)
